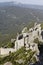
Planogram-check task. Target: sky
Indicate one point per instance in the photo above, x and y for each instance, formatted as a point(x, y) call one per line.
point(36, 2)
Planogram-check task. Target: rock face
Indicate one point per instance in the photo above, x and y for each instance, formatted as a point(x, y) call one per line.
point(8, 63)
point(26, 39)
point(5, 51)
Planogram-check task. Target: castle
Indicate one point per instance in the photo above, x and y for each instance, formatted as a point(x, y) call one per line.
point(26, 39)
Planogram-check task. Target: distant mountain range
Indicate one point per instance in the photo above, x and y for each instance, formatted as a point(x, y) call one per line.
point(20, 5)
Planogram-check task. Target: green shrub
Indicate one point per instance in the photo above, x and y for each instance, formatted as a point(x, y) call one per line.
point(36, 41)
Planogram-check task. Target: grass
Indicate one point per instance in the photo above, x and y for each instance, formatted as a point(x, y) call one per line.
point(23, 54)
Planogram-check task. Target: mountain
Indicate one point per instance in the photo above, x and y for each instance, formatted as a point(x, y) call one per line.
point(14, 3)
point(13, 18)
point(3, 4)
point(31, 6)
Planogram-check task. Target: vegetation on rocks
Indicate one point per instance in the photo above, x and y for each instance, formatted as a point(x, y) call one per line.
point(36, 41)
point(21, 54)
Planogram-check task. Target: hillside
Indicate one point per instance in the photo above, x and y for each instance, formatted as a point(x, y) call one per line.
point(20, 57)
point(14, 18)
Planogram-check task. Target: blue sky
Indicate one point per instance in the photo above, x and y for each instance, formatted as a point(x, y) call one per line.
point(37, 2)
